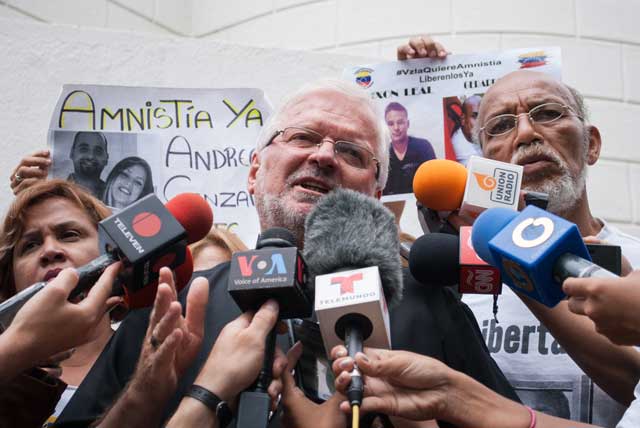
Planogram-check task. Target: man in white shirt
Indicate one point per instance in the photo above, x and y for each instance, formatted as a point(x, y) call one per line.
point(540, 123)
point(533, 120)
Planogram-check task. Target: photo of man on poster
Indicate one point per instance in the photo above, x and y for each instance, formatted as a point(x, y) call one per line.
point(406, 153)
point(89, 155)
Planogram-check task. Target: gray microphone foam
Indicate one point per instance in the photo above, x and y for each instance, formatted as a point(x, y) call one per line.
point(349, 230)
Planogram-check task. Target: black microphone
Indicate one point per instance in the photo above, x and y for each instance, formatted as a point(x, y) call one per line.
point(352, 251)
point(276, 270)
point(145, 236)
point(442, 259)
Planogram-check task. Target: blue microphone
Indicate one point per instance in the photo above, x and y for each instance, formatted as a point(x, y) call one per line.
point(534, 250)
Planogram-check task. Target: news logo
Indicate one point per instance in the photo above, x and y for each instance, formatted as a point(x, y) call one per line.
point(363, 77)
point(147, 224)
point(262, 264)
point(346, 282)
point(490, 184)
point(476, 276)
point(502, 185)
point(480, 280)
point(527, 233)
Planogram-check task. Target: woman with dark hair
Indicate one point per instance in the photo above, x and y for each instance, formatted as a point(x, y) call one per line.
point(129, 180)
point(50, 226)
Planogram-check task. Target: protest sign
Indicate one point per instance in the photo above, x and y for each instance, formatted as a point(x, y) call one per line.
point(122, 143)
point(430, 105)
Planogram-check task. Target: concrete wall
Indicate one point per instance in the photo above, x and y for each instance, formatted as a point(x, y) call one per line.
point(184, 45)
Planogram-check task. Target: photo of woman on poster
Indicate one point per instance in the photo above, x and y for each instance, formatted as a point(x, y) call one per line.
point(129, 180)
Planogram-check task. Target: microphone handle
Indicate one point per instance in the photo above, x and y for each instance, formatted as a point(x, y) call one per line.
point(266, 373)
point(353, 341)
point(255, 404)
point(572, 266)
point(87, 276)
point(89, 273)
point(10, 307)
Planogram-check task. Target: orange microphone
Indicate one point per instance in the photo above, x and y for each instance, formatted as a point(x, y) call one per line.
point(439, 184)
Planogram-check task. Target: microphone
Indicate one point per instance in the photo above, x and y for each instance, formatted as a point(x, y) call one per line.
point(275, 270)
point(446, 185)
point(445, 260)
point(535, 251)
point(352, 251)
point(145, 236)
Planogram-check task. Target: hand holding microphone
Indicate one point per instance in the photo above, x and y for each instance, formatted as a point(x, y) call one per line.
point(49, 323)
point(233, 364)
point(145, 236)
point(450, 193)
point(352, 250)
point(611, 303)
point(535, 251)
point(417, 387)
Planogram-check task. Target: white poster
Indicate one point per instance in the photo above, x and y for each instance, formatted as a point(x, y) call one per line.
point(122, 143)
point(430, 105)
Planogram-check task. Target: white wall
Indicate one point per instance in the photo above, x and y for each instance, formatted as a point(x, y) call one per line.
point(181, 47)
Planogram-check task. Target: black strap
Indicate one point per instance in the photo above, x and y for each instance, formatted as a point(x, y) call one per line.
point(213, 402)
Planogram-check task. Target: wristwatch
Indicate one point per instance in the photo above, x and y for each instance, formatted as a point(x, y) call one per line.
point(213, 402)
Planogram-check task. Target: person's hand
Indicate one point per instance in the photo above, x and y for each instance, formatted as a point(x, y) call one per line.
point(52, 364)
point(170, 346)
point(397, 383)
point(48, 323)
point(172, 341)
point(421, 47)
point(298, 410)
point(237, 356)
point(611, 303)
point(625, 265)
point(30, 170)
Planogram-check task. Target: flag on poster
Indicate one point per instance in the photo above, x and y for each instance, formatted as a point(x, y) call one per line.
point(123, 143)
point(430, 105)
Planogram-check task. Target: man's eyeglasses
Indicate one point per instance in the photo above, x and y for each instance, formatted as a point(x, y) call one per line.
point(352, 154)
point(542, 114)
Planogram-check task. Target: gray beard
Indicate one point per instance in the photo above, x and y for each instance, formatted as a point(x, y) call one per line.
point(273, 213)
point(565, 191)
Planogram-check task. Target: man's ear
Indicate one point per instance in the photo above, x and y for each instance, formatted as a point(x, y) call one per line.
point(253, 171)
point(595, 143)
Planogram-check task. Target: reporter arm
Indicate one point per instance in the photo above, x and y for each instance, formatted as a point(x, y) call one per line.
point(416, 387)
point(170, 346)
point(14, 356)
point(232, 366)
point(614, 368)
point(485, 408)
point(194, 414)
point(36, 333)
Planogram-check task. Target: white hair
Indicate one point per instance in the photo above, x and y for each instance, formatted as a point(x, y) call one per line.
point(381, 145)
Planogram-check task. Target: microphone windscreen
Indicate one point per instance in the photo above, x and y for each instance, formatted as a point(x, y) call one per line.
point(349, 230)
point(439, 184)
point(147, 295)
point(193, 213)
point(276, 237)
point(486, 226)
point(434, 259)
